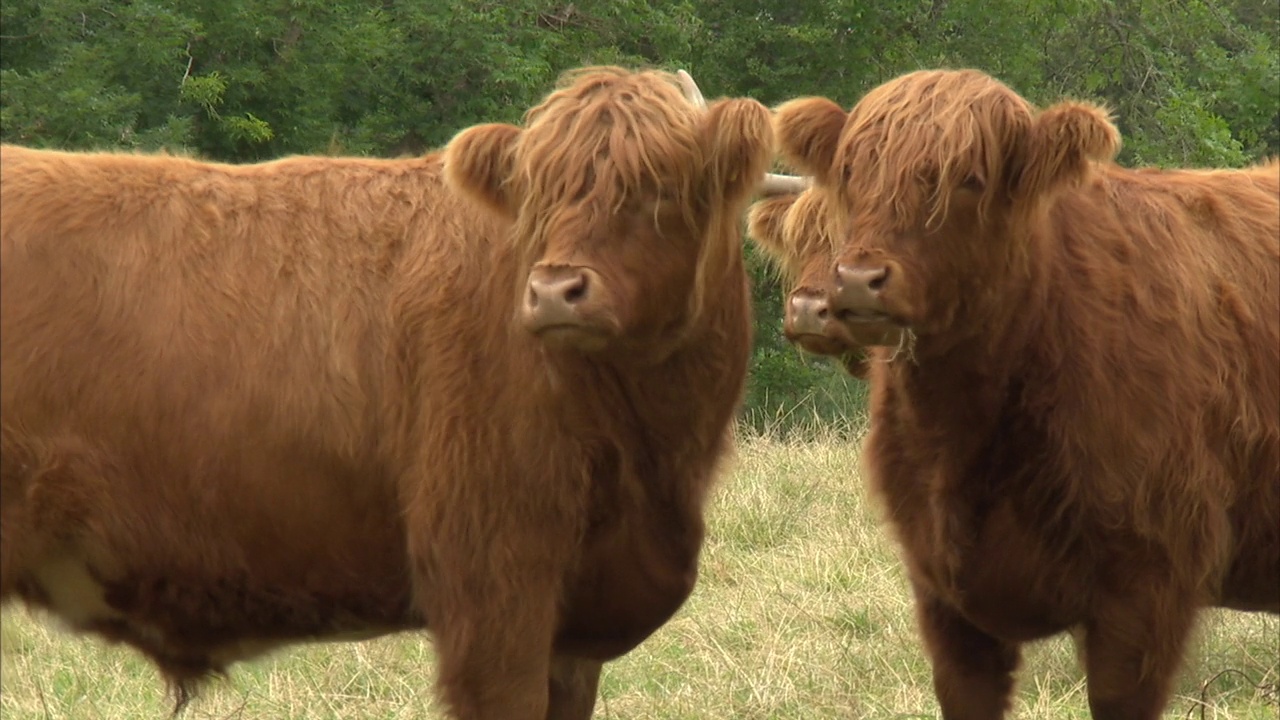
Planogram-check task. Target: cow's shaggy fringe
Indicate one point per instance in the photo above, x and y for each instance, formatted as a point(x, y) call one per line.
point(675, 160)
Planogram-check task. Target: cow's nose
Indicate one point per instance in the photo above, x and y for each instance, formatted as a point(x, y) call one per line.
point(555, 296)
point(807, 313)
point(858, 291)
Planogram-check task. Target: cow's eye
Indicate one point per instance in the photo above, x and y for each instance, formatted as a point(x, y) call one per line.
point(973, 183)
point(928, 178)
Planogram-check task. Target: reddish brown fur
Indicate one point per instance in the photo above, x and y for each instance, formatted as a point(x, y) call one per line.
point(266, 404)
point(1087, 433)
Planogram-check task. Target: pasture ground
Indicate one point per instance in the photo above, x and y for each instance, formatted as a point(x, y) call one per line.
point(802, 611)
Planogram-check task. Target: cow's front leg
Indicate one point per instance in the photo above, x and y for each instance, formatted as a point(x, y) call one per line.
point(494, 662)
point(491, 600)
point(494, 647)
point(573, 686)
point(1132, 649)
point(972, 671)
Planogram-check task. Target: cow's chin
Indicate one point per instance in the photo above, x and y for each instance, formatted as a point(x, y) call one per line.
point(877, 332)
point(586, 338)
point(818, 344)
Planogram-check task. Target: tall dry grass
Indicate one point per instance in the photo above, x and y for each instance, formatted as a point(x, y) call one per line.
point(802, 611)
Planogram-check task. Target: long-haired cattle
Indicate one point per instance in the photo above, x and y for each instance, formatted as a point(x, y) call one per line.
point(1085, 432)
point(792, 230)
point(332, 398)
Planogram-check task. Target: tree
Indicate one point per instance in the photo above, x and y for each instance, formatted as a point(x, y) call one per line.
point(1193, 82)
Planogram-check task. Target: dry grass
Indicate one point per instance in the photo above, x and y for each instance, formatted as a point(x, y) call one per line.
point(802, 612)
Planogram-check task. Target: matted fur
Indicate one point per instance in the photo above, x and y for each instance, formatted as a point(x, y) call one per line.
point(914, 152)
point(1088, 434)
point(249, 406)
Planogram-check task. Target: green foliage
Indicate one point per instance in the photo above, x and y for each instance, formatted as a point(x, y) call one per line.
point(1195, 82)
point(788, 391)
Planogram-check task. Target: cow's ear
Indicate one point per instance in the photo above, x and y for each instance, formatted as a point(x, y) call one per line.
point(1059, 145)
point(765, 221)
point(738, 139)
point(480, 161)
point(808, 131)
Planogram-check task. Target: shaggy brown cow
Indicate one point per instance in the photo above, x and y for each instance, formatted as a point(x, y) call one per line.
point(1086, 433)
point(792, 231)
point(319, 398)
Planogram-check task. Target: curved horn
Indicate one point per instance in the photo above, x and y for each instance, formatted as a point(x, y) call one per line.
point(774, 184)
point(691, 90)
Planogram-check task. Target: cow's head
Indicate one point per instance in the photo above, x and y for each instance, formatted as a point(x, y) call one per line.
point(931, 176)
point(793, 230)
point(625, 197)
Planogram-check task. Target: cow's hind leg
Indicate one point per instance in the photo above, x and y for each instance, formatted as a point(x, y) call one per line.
point(572, 688)
point(15, 536)
point(972, 671)
point(50, 490)
point(1132, 650)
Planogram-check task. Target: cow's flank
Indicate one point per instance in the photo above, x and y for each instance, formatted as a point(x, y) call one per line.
point(1086, 432)
point(322, 398)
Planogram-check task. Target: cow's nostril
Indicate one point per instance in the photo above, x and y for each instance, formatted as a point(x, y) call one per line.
point(877, 282)
point(532, 300)
point(823, 312)
point(577, 290)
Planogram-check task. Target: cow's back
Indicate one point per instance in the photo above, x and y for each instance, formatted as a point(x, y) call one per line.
point(1167, 294)
point(195, 388)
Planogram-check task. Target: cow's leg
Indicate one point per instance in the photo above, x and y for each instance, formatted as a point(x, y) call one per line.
point(1132, 650)
point(573, 686)
point(972, 671)
point(491, 600)
point(493, 664)
point(10, 538)
point(9, 556)
point(15, 537)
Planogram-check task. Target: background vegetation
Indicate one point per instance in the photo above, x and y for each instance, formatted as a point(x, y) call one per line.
point(1193, 82)
point(802, 610)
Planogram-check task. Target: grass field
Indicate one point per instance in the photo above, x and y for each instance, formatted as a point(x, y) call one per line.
point(802, 611)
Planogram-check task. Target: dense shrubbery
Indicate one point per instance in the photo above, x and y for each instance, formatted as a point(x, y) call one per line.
point(1192, 83)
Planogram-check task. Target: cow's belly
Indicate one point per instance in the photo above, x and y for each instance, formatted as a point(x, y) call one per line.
point(193, 629)
point(1252, 581)
point(202, 569)
point(629, 584)
point(615, 623)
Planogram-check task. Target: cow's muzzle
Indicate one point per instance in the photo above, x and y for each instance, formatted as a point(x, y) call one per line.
point(859, 291)
point(809, 323)
point(858, 303)
point(566, 303)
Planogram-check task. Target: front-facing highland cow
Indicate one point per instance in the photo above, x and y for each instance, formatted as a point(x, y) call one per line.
point(482, 392)
point(1080, 429)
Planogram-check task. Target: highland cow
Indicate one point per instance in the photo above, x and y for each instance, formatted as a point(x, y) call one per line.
point(1075, 413)
point(482, 392)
